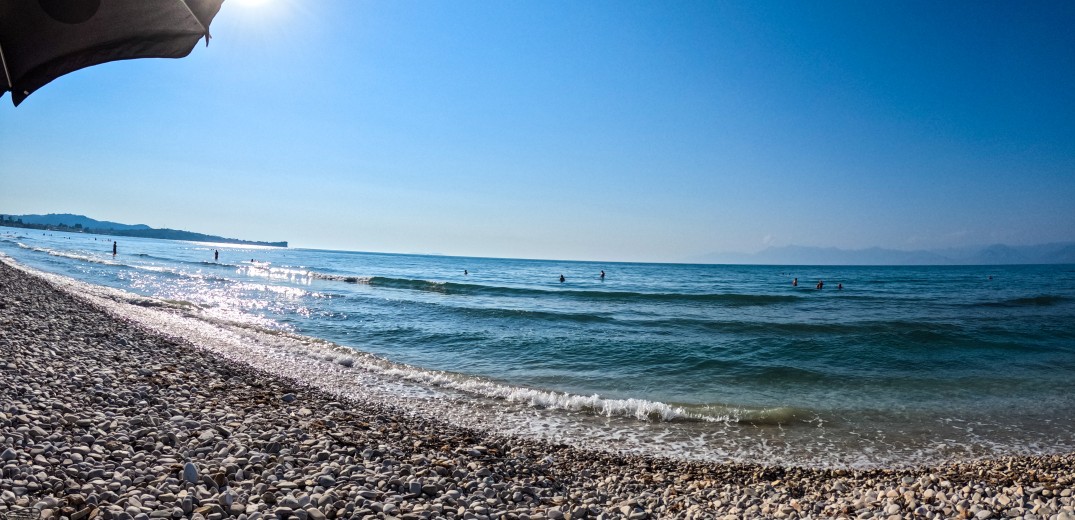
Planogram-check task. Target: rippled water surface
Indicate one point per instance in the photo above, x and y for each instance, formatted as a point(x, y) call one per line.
point(901, 364)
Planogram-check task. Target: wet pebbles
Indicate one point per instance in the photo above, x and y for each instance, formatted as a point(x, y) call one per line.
point(101, 420)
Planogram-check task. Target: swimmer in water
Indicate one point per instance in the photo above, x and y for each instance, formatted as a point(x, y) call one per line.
point(602, 275)
point(562, 278)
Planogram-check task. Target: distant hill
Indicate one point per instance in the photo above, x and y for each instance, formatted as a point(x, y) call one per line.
point(996, 254)
point(67, 219)
point(83, 224)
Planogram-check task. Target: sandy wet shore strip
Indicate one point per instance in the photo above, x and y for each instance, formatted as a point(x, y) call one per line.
point(101, 417)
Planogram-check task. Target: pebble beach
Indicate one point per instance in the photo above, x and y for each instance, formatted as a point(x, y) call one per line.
point(102, 417)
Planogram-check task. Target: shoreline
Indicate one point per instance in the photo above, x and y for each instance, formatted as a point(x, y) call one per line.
point(104, 418)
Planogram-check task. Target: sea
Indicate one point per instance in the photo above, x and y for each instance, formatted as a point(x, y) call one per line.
point(882, 366)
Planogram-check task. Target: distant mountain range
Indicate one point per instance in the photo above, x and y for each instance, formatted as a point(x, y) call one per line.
point(997, 254)
point(84, 224)
point(69, 220)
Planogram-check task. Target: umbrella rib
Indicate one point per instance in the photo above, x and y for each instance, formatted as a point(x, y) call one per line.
point(205, 30)
point(7, 75)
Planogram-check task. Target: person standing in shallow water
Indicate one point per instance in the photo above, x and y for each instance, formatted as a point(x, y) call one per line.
point(820, 284)
point(795, 282)
point(113, 248)
point(602, 275)
point(216, 255)
point(562, 278)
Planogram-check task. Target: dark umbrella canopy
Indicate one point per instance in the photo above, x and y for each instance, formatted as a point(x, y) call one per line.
point(41, 40)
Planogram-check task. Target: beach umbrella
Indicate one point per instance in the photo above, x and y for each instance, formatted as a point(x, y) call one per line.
point(41, 40)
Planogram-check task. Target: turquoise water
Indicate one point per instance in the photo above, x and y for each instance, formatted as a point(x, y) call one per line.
point(915, 362)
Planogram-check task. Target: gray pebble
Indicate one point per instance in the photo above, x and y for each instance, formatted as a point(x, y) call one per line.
point(190, 473)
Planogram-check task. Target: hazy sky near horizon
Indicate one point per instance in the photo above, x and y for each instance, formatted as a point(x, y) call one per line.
point(650, 131)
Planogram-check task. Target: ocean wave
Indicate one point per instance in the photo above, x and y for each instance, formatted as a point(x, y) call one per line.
point(163, 304)
point(342, 278)
point(171, 272)
point(1044, 300)
point(216, 264)
point(179, 273)
point(204, 263)
point(267, 270)
point(550, 316)
point(292, 292)
point(469, 289)
point(795, 329)
point(70, 255)
point(639, 409)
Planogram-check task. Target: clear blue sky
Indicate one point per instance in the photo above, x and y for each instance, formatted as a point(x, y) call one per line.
point(660, 131)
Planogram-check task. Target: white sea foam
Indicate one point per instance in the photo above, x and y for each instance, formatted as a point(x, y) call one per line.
point(97, 259)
